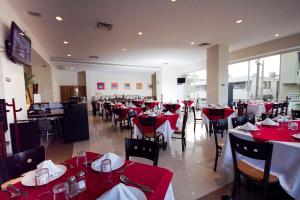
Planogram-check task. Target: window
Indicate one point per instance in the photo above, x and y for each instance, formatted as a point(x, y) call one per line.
point(196, 86)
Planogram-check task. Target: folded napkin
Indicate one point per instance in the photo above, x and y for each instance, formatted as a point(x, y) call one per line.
point(168, 113)
point(53, 169)
point(148, 112)
point(111, 156)
point(119, 192)
point(133, 106)
point(281, 118)
point(248, 127)
point(269, 122)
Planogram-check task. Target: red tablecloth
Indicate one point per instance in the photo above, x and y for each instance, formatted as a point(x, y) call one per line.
point(277, 133)
point(268, 106)
point(138, 103)
point(177, 106)
point(151, 105)
point(124, 111)
point(159, 121)
point(157, 178)
point(227, 113)
point(188, 103)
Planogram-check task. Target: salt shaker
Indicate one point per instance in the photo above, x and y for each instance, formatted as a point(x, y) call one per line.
point(81, 181)
point(72, 186)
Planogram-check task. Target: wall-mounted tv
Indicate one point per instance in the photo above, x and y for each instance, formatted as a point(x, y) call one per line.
point(19, 46)
point(180, 81)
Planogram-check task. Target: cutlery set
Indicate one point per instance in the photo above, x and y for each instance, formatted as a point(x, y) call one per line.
point(17, 192)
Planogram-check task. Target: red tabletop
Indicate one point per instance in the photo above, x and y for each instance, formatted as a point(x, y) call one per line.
point(275, 133)
point(227, 113)
point(138, 103)
point(152, 104)
point(124, 111)
point(157, 178)
point(177, 106)
point(159, 121)
point(188, 103)
point(268, 106)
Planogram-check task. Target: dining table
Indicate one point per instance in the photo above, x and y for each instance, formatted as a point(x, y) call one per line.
point(157, 178)
point(258, 108)
point(151, 104)
point(176, 105)
point(285, 156)
point(165, 124)
point(188, 102)
point(206, 117)
point(138, 102)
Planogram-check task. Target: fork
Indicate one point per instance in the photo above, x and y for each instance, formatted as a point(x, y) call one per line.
point(12, 194)
point(19, 191)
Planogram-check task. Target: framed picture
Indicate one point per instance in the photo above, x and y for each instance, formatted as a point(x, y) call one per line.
point(100, 86)
point(114, 86)
point(139, 86)
point(126, 86)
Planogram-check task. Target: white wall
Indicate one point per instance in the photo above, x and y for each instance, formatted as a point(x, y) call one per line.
point(66, 77)
point(93, 77)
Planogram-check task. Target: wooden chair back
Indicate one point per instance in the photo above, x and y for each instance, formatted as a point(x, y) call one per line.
point(238, 121)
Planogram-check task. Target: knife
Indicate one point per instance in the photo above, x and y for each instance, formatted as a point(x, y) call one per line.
point(19, 191)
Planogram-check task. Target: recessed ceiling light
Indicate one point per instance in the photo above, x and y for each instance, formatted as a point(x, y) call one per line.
point(140, 33)
point(277, 34)
point(239, 21)
point(192, 43)
point(71, 68)
point(173, 0)
point(69, 55)
point(124, 49)
point(65, 42)
point(58, 18)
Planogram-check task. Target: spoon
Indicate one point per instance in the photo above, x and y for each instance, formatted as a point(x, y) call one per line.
point(127, 181)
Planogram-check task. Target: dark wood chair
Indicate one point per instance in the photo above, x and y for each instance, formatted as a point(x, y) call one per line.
point(117, 111)
point(170, 107)
point(226, 197)
point(142, 148)
point(215, 114)
point(250, 118)
point(274, 112)
point(295, 114)
point(148, 130)
point(219, 127)
point(254, 150)
point(131, 114)
point(284, 108)
point(242, 109)
point(196, 119)
point(238, 121)
point(180, 134)
point(13, 166)
point(107, 110)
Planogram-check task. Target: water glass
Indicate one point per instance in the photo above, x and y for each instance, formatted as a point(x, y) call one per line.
point(42, 177)
point(106, 169)
point(61, 191)
point(294, 126)
point(81, 160)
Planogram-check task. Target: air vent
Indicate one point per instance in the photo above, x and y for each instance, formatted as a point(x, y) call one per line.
point(93, 57)
point(104, 26)
point(34, 14)
point(61, 67)
point(204, 44)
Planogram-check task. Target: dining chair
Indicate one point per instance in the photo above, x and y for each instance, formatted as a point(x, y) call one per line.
point(148, 130)
point(219, 128)
point(295, 114)
point(242, 109)
point(17, 164)
point(250, 118)
point(142, 148)
point(180, 134)
point(226, 197)
point(196, 120)
point(284, 108)
point(215, 114)
point(170, 107)
point(257, 151)
point(116, 115)
point(238, 121)
point(107, 110)
point(274, 112)
point(131, 115)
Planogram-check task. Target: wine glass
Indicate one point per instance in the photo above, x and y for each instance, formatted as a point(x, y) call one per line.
point(61, 191)
point(81, 160)
point(106, 170)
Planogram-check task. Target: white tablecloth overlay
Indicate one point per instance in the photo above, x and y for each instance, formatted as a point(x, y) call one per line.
point(169, 193)
point(285, 162)
point(165, 129)
point(256, 109)
point(205, 119)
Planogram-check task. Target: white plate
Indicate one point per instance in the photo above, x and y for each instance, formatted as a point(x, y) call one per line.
point(29, 178)
point(297, 136)
point(96, 165)
point(137, 193)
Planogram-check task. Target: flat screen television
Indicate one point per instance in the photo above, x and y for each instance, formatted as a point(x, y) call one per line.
point(180, 81)
point(19, 46)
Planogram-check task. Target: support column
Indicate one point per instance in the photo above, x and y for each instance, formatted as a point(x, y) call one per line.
point(217, 74)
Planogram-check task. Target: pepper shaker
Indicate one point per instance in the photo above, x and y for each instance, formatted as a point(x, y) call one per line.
point(72, 186)
point(81, 181)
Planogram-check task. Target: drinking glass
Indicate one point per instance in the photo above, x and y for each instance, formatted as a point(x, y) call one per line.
point(61, 191)
point(81, 160)
point(42, 177)
point(106, 170)
point(294, 126)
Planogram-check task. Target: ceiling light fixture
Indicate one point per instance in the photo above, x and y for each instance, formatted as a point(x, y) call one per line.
point(239, 21)
point(192, 43)
point(140, 33)
point(69, 55)
point(277, 34)
point(65, 42)
point(58, 18)
point(173, 0)
point(124, 49)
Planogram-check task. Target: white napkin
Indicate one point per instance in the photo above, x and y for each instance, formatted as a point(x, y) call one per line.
point(53, 169)
point(111, 156)
point(279, 118)
point(269, 122)
point(248, 127)
point(168, 113)
point(148, 112)
point(119, 192)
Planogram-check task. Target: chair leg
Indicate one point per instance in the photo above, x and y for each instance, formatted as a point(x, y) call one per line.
point(194, 126)
point(216, 160)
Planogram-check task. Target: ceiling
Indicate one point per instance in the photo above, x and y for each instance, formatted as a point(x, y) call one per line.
point(168, 28)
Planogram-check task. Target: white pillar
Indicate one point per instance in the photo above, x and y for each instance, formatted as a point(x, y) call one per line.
point(217, 74)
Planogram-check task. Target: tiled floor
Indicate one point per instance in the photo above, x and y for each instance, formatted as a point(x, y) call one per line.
point(193, 169)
